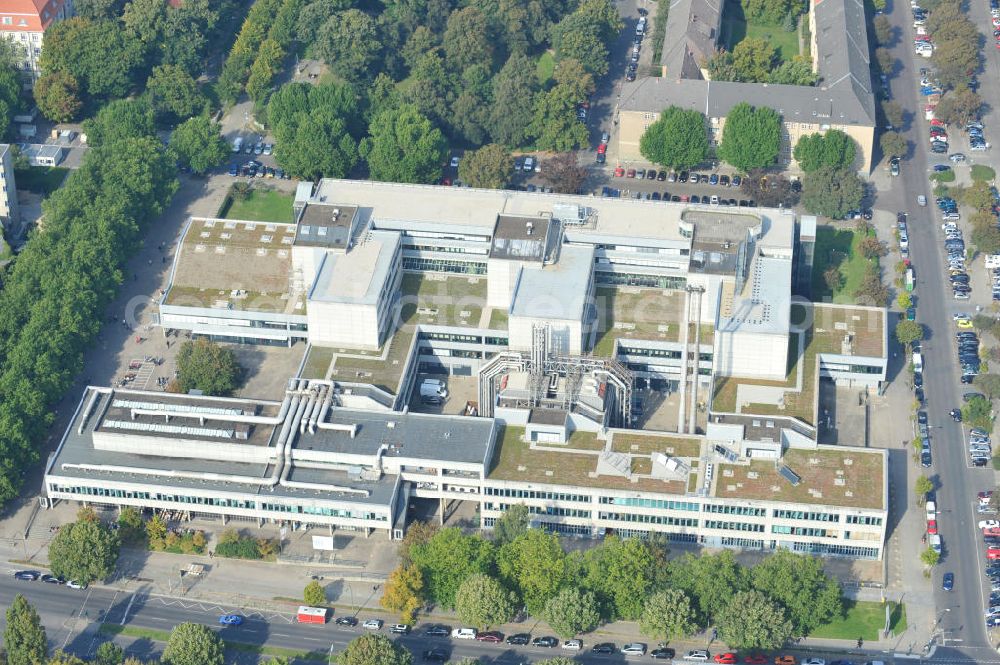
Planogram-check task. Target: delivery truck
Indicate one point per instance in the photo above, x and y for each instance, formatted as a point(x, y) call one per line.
point(308, 614)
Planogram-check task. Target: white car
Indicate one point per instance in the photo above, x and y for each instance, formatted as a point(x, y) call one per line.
point(73, 584)
point(634, 649)
point(921, 200)
point(699, 655)
point(464, 633)
point(372, 624)
point(454, 162)
point(573, 645)
point(989, 524)
point(813, 661)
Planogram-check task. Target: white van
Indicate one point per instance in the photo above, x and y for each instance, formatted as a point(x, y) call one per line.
point(464, 633)
point(238, 144)
point(640, 28)
point(931, 510)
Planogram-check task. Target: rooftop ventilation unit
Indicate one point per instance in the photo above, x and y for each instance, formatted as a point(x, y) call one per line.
point(790, 476)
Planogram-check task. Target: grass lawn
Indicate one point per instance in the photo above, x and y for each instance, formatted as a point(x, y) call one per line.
point(836, 246)
point(736, 28)
point(545, 66)
point(263, 206)
point(164, 635)
point(983, 172)
point(863, 619)
point(40, 179)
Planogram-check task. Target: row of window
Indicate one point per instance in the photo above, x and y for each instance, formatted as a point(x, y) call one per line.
point(804, 515)
point(803, 531)
point(547, 510)
point(443, 265)
point(723, 509)
point(220, 502)
point(663, 504)
point(649, 519)
point(734, 526)
point(632, 279)
point(534, 494)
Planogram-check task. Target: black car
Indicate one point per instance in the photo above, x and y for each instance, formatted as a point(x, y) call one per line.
point(662, 653)
point(546, 641)
point(346, 621)
point(918, 379)
point(436, 656)
point(437, 631)
point(52, 579)
point(925, 459)
point(27, 575)
point(695, 198)
point(519, 639)
point(918, 393)
point(682, 176)
point(603, 647)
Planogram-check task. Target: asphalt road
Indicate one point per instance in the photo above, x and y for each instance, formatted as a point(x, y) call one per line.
point(959, 616)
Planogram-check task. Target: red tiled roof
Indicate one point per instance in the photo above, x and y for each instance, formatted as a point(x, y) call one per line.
point(29, 14)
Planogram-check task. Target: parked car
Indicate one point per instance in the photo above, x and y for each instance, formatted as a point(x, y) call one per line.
point(372, 624)
point(230, 620)
point(547, 641)
point(346, 621)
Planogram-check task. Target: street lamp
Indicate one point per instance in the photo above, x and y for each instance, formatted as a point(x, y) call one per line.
point(329, 655)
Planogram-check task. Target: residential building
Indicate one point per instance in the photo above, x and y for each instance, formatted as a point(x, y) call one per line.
point(24, 22)
point(843, 98)
point(9, 213)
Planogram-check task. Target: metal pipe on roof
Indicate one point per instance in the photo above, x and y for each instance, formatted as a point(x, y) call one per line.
point(313, 394)
point(279, 466)
point(235, 418)
point(286, 452)
point(170, 473)
point(351, 429)
point(314, 413)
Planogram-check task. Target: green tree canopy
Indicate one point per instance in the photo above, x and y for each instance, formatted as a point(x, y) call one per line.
point(467, 40)
point(832, 192)
point(512, 524)
point(374, 650)
point(668, 615)
point(989, 384)
point(534, 564)
point(678, 139)
point(57, 95)
point(893, 144)
point(84, 551)
point(513, 107)
point(482, 601)
point(959, 106)
point(404, 146)
point(348, 41)
point(921, 486)
point(97, 54)
point(208, 367)
point(771, 11)
point(555, 125)
point(24, 636)
point(489, 167)
point(834, 149)
point(118, 120)
point(446, 559)
point(753, 621)
point(712, 581)
point(173, 94)
point(109, 653)
point(621, 573)
point(193, 644)
point(314, 595)
point(199, 144)
point(572, 611)
point(403, 592)
point(798, 583)
point(908, 332)
point(751, 137)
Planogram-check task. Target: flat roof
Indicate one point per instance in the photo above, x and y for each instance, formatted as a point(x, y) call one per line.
point(358, 275)
point(764, 305)
point(235, 265)
point(326, 225)
point(520, 238)
point(832, 476)
point(556, 291)
point(427, 437)
point(631, 312)
point(849, 330)
point(444, 300)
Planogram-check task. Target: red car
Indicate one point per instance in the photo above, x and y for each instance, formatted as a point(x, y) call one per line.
point(756, 659)
point(490, 636)
point(786, 660)
point(932, 527)
point(619, 172)
point(993, 553)
point(630, 173)
point(726, 658)
point(601, 149)
point(937, 123)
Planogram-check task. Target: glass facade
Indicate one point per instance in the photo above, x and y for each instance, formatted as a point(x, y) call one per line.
point(633, 279)
point(663, 504)
point(444, 265)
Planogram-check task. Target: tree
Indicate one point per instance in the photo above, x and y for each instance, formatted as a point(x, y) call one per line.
point(109, 653)
point(98, 54)
point(572, 611)
point(904, 301)
point(832, 192)
point(118, 120)
point(481, 601)
point(404, 146)
point(893, 113)
point(24, 636)
point(953, 59)
point(198, 143)
point(513, 106)
point(959, 106)
point(156, 529)
point(753, 621)
point(418, 533)
point(57, 95)
point(668, 615)
point(678, 139)
point(798, 584)
point(314, 594)
point(834, 149)
point(533, 564)
point(752, 60)
point(989, 384)
point(208, 367)
point(587, 49)
point(978, 412)
point(883, 30)
point(564, 174)
point(771, 11)
point(797, 71)
point(572, 73)
point(193, 644)
point(621, 572)
point(489, 167)
point(62, 658)
point(886, 61)
point(986, 238)
point(712, 581)
point(512, 524)
point(921, 487)
point(467, 40)
point(893, 144)
point(84, 551)
point(751, 137)
point(979, 197)
point(446, 559)
point(403, 592)
point(315, 127)
point(374, 650)
point(833, 278)
point(871, 247)
point(555, 125)
point(173, 94)
point(349, 43)
point(908, 332)
point(930, 558)
point(98, 9)
point(144, 21)
point(872, 291)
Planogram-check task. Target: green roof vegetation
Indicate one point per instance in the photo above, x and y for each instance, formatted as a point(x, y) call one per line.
point(647, 444)
point(837, 246)
point(452, 301)
point(262, 205)
point(637, 313)
point(848, 478)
